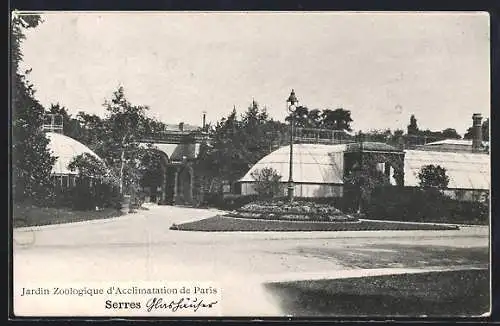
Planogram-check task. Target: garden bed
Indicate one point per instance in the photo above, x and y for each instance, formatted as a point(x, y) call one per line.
point(222, 223)
point(30, 215)
point(292, 217)
point(299, 210)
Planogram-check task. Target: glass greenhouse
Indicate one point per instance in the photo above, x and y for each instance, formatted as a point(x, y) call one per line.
point(318, 170)
point(65, 149)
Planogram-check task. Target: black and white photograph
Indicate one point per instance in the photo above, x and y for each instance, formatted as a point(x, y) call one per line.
point(250, 164)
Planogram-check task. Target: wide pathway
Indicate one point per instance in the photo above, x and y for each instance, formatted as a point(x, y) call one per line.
point(141, 247)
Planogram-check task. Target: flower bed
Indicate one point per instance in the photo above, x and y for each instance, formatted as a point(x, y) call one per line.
point(296, 211)
point(292, 217)
point(296, 207)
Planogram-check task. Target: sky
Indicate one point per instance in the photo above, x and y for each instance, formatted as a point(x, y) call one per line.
point(383, 67)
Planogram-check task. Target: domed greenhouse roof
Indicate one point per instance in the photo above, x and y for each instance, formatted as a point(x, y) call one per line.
point(312, 163)
point(464, 170)
point(65, 149)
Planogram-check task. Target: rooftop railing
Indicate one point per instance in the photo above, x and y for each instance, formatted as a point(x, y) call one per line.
point(53, 123)
point(178, 136)
point(332, 137)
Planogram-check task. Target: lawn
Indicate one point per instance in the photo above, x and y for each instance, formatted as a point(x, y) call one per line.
point(28, 215)
point(396, 255)
point(434, 294)
point(226, 223)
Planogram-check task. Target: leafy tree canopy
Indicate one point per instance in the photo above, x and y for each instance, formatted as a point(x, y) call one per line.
point(433, 176)
point(338, 119)
point(412, 127)
point(31, 160)
point(238, 143)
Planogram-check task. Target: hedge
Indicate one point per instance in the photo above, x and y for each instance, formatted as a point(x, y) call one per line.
point(386, 203)
point(230, 202)
point(418, 205)
point(85, 197)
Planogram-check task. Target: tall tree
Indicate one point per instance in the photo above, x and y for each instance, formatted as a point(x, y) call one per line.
point(31, 160)
point(365, 176)
point(92, 132)
point(412, 128)
point(255, 138)
point(376, 135)
point(314, 118)
point(450, 133)
point(237, 144)
point(300, 117)
point(224, 156)
point(125, 128)
point(338, 119)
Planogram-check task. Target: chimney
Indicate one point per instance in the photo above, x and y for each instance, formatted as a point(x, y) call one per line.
point(181, 126)
point(204, 120)
point(477, 132)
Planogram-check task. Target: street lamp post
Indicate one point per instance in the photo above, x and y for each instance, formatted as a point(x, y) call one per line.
point(291, 102)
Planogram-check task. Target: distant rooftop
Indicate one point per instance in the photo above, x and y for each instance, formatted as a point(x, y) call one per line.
point(371, 146)
point(177, 127)
point(465, 142)
point(453, 144)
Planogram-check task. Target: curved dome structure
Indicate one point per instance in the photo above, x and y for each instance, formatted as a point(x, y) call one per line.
point(464, 170)
point(65, 149)
point(318, 170)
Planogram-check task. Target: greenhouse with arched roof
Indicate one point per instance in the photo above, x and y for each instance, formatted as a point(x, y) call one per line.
point(320, 170)
point(317, 169)
point(65, 149)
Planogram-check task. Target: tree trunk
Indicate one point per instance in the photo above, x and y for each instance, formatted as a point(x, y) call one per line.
point(122, 165)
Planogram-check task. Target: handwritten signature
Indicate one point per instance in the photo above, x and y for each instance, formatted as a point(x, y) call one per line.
point(182, 303)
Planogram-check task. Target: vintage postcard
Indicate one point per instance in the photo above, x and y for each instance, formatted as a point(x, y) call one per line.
point(250, 164)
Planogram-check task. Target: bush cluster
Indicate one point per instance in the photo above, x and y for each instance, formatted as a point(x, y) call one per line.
point(424, 205)
point(226, 202)
point(387, 203)
point(84, 197)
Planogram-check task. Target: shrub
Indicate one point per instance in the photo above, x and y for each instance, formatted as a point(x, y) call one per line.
point(433, 176)
point(95, 186)
point(268, 182)
point(86, 196)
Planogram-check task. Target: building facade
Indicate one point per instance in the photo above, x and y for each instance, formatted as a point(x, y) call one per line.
point(178, 150)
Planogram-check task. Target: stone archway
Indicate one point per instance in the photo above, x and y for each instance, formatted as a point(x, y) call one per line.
point(154, 180)
point(184, 185)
